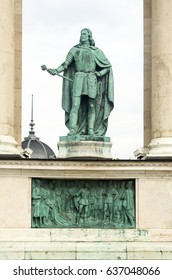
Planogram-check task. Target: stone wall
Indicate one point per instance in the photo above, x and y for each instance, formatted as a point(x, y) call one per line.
point(151, 239)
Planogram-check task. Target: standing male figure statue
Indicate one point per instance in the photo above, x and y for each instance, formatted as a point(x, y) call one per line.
point(87, 97)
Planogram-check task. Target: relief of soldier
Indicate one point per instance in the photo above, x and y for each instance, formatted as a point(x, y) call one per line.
point(81, 203)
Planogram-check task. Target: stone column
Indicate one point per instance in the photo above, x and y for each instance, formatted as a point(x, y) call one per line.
point(18, 70)
point(8, 145)
point(147, 70)
point(161, 96)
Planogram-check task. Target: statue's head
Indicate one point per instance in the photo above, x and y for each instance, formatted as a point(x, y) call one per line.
point(90, 39)
point(129, 184)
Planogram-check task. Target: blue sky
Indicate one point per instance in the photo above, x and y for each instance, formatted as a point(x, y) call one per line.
point(50, 29)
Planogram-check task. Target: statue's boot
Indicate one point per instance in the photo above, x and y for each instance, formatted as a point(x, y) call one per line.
point(91, 117)
point(91, 120)
point(90, 131)
point(73, 122)
point(72, 132)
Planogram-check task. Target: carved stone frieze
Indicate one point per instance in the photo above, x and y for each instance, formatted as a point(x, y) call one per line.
point(83, 203)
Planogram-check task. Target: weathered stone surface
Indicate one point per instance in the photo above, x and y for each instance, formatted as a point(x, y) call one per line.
point(10, 59)
point(85, 149)
point(157, 78)
point(150, 239)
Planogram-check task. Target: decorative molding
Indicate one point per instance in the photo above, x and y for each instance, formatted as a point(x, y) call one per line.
point(85, 163)
point(96, 169)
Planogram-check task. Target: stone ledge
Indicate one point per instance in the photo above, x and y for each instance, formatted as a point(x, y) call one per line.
point(85, 235)
point(7, 162)
point(83, 250)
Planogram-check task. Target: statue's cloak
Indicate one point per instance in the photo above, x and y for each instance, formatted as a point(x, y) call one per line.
point(104, 100)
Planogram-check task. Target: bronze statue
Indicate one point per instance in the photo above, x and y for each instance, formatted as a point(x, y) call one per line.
point(87, 97)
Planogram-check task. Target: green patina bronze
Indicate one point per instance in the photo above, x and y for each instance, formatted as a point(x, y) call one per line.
point(84, 138)
point(88, 93)
point(83, 203)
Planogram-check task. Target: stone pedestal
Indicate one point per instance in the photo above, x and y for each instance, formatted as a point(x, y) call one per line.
point(85, 147)
point(151, 237)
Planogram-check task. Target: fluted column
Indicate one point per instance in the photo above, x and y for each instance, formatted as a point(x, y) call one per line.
point(161, 95)
point(8, 145)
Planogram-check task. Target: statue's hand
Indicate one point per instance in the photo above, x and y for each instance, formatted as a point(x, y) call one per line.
point(98, 74)
point(52, 71)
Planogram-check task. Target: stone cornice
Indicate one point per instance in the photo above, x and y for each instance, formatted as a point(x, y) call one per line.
point(86, 169)
point(97, 163)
